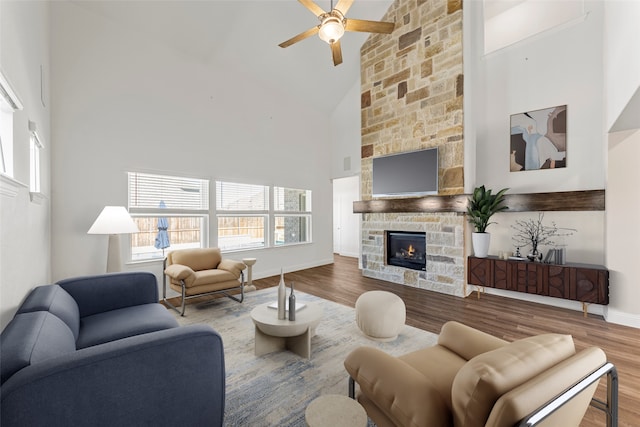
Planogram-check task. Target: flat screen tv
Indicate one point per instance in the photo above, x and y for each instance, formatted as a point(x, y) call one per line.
point(413, 173)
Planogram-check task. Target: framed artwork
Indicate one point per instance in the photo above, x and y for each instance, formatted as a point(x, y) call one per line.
point(539, 139)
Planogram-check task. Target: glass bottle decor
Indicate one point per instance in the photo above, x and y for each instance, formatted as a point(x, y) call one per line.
point(282, 296)
point(292, 304)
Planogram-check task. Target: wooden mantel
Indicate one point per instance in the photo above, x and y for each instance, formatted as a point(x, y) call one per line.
point(589, 200)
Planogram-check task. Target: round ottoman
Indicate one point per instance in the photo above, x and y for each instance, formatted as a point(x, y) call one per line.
point(380, 315)
point(333, 410)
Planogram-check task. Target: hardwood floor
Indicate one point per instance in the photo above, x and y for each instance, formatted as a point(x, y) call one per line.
point(506, 318)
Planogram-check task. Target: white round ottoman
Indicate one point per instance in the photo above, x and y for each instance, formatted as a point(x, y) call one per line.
point(380, 315)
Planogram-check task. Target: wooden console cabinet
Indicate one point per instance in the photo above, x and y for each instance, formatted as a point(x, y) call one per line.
point(579, 282)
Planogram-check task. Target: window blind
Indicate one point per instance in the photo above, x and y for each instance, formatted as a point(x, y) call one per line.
point(148, 192)
point(231, 196)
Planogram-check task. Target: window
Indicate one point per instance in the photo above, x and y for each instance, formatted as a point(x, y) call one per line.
point(242, 214)
point(9, 103)
point(292, 215)
point(246, 219)
point(34, 159)
point(171, 213)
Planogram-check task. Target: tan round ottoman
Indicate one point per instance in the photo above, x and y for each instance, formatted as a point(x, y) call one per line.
point(332, 410)
point(380, 315)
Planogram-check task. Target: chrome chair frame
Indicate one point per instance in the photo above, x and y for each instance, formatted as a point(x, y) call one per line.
point(610, 407)
point(184, 296)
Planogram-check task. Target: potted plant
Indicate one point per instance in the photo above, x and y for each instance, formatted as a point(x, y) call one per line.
point(482, 205)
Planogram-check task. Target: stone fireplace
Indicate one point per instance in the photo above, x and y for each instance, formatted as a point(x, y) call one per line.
point(444, 250)
point(411, 99)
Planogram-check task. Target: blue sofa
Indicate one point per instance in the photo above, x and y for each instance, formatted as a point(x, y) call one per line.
point(101, 351)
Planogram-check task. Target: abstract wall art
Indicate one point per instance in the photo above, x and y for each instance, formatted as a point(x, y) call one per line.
point(539, 139)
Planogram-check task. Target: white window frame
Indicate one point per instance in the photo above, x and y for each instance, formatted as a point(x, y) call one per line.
point(248, 211)
point(35, 166)
point(9, 104)
point(147, 206)
point(270, 213)
point(286, 213)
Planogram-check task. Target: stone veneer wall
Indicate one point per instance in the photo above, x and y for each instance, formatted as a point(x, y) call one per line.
point(411, 98)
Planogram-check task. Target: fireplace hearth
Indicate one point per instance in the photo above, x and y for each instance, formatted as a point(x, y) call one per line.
point(406, 249)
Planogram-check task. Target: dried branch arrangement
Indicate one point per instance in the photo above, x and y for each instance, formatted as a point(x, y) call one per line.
point(534, 233)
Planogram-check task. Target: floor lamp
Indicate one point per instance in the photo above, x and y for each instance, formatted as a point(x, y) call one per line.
point(113, 220)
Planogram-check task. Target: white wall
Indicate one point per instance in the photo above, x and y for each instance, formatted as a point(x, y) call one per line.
point(25, 225)
point(345, 135)
point(621, 65)
point(556, 68)
point(623, 233)
point(622, 84)
point(561, 66)
point(345, 171)
point(123, 102)
point(346, 224)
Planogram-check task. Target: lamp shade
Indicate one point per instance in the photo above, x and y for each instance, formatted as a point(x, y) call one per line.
point(331, 30)
point(113, 220)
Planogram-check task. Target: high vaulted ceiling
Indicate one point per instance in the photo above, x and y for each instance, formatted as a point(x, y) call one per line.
point(245, 34)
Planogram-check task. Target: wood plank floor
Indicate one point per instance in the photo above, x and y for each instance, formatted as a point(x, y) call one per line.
point(506, 318)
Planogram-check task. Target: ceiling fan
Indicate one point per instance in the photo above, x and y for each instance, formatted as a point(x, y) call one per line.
point(333, 24)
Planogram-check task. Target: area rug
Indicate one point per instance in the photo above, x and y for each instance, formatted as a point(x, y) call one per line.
point(275, 389)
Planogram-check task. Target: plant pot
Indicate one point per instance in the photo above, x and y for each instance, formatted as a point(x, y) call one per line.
point(481, 243)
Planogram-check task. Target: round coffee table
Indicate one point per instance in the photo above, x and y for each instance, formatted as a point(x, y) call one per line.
point(334, 410)
point(273, 334)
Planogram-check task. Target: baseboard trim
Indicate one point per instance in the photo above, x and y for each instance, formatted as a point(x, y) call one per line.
point(292, 268)
point(622, 318)
point(349, 254)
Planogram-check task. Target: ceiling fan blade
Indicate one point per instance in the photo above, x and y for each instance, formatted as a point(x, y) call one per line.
point(343, 6)
point(336, 51)
point(314, 8)
point(310, 32)
point(369, 26)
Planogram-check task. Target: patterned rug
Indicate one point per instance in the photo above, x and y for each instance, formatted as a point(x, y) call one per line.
point(275, 389)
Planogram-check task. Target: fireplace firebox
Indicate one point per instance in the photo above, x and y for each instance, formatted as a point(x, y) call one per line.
point(407, 249)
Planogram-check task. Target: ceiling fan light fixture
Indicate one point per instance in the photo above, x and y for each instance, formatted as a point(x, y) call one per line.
point(331, 29)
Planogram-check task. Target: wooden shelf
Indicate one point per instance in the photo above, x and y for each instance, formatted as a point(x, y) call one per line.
point(417, 204)
point(588, 200)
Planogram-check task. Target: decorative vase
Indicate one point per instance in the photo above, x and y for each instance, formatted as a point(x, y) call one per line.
point(481, 243)
point(292, 304)
point(282, 297)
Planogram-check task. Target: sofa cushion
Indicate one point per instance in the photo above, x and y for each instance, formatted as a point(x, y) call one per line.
point(467, 342)
point(196, 259)
point(54, 299)
point(483, 379)
point(232, 266)
point(124, 322)
point(399, 391)
point(178, 272)
point(513, 406)
point(213, 287)
point(31, 338)
point(99, 293)
point(439, 364)
point(207, 277)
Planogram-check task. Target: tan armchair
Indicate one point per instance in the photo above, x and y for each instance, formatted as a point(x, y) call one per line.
point(200, 272)
point(473, 379)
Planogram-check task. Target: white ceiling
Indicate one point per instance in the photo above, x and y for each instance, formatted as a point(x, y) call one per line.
point(245, 34)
